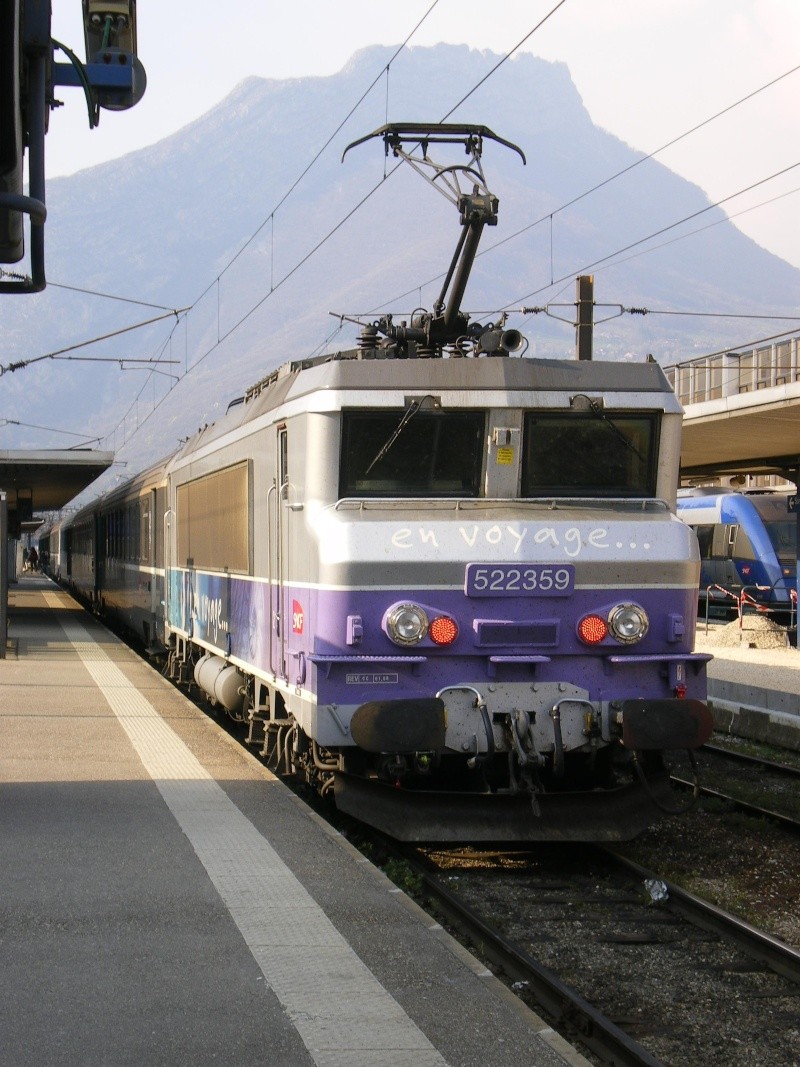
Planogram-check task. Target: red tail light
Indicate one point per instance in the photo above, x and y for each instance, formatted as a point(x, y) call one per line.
point(592, 629)
point(443, 630)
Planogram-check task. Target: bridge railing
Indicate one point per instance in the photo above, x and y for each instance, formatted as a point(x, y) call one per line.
point(730, 373)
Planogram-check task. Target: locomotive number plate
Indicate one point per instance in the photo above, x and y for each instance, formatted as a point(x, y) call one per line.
point(519, 579)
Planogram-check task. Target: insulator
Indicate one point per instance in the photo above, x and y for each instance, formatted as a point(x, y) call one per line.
point(368, 338)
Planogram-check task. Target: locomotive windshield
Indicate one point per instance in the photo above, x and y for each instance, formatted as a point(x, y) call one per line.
point(589, 454)
point(783, 536)
point(436, 453)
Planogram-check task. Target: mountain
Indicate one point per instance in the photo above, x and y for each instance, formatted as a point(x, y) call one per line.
point(202, 220)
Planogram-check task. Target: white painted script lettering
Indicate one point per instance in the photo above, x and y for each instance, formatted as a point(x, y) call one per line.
point(209, 615)
point(545, 535)
point(402, 539)
point(428, 537)
point(519, 537)
point(470, 539)
point(572, 541)
point(569, 541)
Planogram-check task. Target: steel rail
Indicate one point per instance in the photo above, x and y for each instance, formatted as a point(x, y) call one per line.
point(775, 954)
point(786, 822)
point(755, 761)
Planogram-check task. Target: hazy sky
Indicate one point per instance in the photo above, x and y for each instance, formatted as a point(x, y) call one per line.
point(647, 70)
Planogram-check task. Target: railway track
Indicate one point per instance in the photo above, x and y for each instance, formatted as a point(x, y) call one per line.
point(755, 785)
point(748, 759)
point(787, 823)
point(634, 968)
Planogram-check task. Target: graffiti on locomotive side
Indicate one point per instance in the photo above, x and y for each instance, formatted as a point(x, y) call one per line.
point(209, 615)
point(199, 602)
point(570, 540)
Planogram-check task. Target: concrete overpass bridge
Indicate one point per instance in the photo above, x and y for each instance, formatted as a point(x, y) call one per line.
point(742, 412)
point(741, 417)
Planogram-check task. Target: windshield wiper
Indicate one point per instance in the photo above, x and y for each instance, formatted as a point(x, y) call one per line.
point(408, 415)
point(598, 413)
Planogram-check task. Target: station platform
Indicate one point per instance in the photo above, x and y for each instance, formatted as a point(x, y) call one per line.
point(753, 682)
point(165, 900)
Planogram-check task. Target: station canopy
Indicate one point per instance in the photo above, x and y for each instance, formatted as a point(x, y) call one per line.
point(47, 479)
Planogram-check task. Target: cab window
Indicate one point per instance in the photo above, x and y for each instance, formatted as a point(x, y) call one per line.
point(590, 454)
point(397, 453)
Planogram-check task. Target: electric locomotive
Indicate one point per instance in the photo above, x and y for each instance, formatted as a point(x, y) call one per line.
point(441, 581)
point(437, 580)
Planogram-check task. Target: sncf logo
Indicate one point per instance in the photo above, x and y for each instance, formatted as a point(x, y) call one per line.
point(297, 617)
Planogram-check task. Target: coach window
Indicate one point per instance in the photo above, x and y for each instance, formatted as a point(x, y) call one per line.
point(406, 453)
point(590, 454)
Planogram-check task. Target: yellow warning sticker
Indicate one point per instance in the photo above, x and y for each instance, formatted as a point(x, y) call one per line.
point(505, 456)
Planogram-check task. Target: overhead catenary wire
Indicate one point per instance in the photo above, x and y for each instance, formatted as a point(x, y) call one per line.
point(60, 353)
point(613, 177)
point(506, 57)
point(372, 191)
point(638, 162)
point(133, 405)
point(320, 152)
point(498, 244)
point(108, 296)
point(49, 429)
point(657, 233)
point(692, 233)
point(284, 197)
point(319, 245)
point(222, 337)
point(597, 267)
point(240, 322)
point(712, 314)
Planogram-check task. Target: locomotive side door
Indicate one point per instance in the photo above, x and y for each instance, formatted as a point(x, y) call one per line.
point(279, 520)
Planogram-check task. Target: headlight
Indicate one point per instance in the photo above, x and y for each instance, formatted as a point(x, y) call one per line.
point(406, 624)
point(628, 623)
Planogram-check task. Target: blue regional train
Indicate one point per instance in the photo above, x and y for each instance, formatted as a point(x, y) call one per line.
point(437, 580)
point(748, 541)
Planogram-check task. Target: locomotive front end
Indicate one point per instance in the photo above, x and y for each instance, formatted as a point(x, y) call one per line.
point(507, 606)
